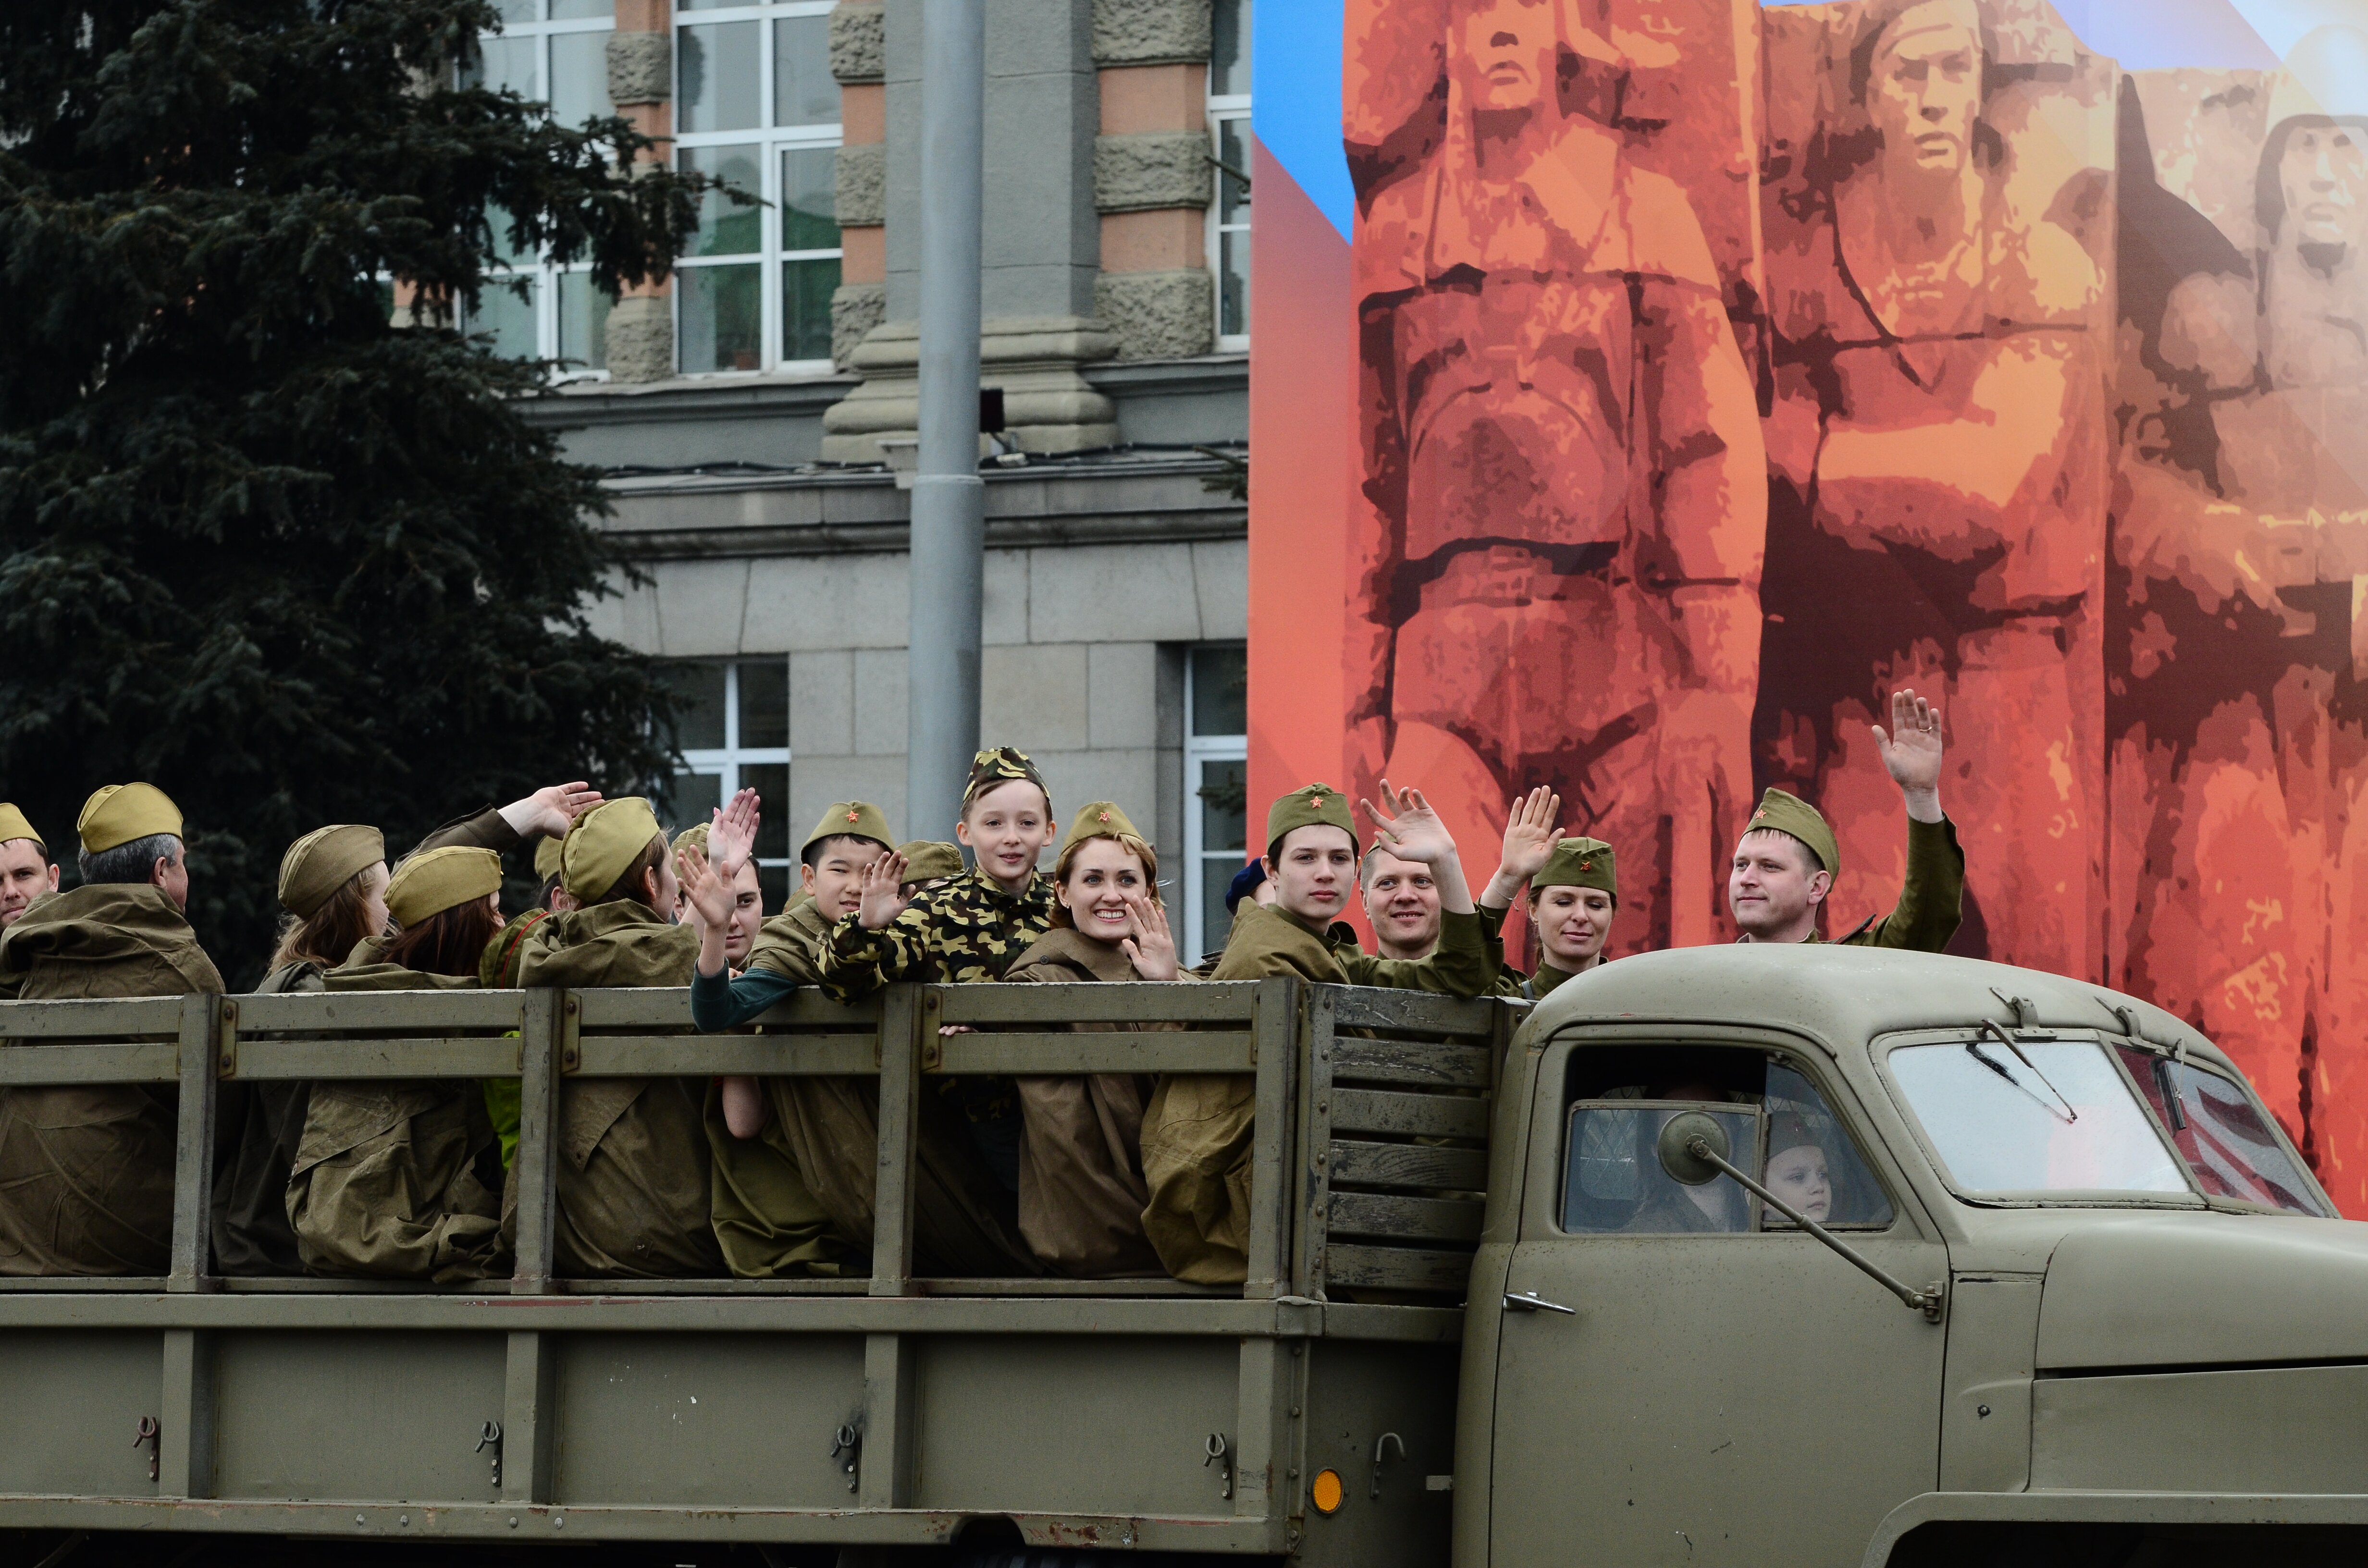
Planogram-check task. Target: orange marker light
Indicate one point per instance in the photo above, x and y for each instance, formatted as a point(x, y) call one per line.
point(1326, 1491)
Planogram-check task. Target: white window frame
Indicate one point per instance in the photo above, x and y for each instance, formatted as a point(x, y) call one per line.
point(544, 275)
point(1200, 751)
point(771, 142)
point(725, 762)
point(1225, 108)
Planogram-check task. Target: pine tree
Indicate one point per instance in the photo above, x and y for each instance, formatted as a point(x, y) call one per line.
point(260, 544)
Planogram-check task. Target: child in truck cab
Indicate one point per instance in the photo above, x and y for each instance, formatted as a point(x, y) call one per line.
point(1081, 1187)
point(1196, 1133)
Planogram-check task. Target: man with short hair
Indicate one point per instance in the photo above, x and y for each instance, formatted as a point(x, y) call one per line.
point(87, 1170)
point(1786, 864)
point(1402, 901)
point(25, 871)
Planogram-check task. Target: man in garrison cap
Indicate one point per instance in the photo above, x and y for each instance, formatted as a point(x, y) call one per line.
point(26, 872)
point(632, 1200)
point(1787, 859)
point(87, 1171)
point(1195, 1132)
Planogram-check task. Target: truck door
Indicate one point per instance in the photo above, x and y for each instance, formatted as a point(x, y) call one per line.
point(1723, 1389)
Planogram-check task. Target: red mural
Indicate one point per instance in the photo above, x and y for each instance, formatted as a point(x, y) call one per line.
point(1722, 369)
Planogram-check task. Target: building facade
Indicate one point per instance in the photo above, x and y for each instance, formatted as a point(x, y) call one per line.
point(753, 412)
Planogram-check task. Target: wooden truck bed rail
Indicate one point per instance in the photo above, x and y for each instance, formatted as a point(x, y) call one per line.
point(719, 1409)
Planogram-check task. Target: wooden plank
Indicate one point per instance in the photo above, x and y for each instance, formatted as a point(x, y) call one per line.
point(1399, 1268)
point(1115, 1288)
point(1125, 1002)
point(535, 1168)
point(1433, 1064)
point(150, 1061)
point(1370, 1007)
point(193, 1144)
point(1391, 1110)
point(1407, 1219)
point(491, 1056)
point(700, 1055)
point(154, 1016)
point(659, 1007)
point(409, 1012)
point(1311, 1154)
point(907, 1017)
point(1280, 1019)
point(1409, 1164)
point(1099, 1051)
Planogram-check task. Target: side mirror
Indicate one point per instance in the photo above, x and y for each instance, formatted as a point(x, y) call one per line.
point(1693, 1151)
point(1682, 1163)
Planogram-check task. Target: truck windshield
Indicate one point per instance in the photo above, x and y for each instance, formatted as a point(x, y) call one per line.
point(2224, 1138)
point(2043, 1115)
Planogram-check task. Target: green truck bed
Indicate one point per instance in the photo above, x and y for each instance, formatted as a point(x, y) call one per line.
point(892, 1409)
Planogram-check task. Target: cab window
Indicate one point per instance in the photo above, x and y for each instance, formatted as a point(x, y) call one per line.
point(1778, 1126)
point(2034, 1115)
point(2225, 1140)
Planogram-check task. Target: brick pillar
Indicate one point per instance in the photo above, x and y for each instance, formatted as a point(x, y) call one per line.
point(858, 58)
point(640, 84)
point(1152, 181)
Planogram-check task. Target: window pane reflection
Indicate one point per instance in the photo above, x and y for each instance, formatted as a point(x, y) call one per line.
point(583, 321)
point(698, 713)
point(507, 319)
point(718, 76)
point(579, 77)
point(804, 92)
point(726, 227)
point(722, 318)
point(765, 707)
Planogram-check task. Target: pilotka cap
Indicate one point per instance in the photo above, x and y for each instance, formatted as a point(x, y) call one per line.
point(604, 844)
point(930, 859)
point(324, 861)
point(1790, 814)
point(850, 819)
point(427, 885)
point(1099, 819)
point(1002, 765)
point(14, 825)
point(115, 815)
point(1312, 805)
point(1579, 863)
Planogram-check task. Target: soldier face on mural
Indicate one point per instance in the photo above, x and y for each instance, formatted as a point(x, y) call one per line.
point(1503, 56)
point(2322, 180)
point(1923, 90)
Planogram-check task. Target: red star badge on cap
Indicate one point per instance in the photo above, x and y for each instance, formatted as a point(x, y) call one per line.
point(1587, 865)
point(853, 815)
point(1315, 801)
point(1103, 816)
point(1760, 814)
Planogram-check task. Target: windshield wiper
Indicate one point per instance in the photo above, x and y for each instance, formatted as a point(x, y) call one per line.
point(1973, 1049)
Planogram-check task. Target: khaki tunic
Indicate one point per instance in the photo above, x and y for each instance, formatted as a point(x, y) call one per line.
point(397, 1179)
point(632, 1200)
point(1931, 895)
point(826, 1132)
point(87, 1172)
point(1196, 1133)
point(262, 1125)
point(1082, 1192)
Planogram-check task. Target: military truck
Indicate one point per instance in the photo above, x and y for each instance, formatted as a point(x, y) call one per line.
point(1751, 1255)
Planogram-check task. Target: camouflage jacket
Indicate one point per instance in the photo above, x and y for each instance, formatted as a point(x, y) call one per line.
point(962, 931)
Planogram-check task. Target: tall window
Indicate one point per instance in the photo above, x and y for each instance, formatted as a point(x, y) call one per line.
point(735, 735)
point(556, 51)
point(1216, 784)
point(755, 105)
point(1229, 131)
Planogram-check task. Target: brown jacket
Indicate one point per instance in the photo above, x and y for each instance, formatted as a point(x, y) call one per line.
point(87, 1172)
point(1081, 1188)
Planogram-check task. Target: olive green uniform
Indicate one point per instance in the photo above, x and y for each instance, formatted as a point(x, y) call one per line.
point(1196, 1133)
point(1082, 1191)
point(966, 1210)
point(1931, 895)
point(397, 1179)
point(87, 1170)
point(633, 1183)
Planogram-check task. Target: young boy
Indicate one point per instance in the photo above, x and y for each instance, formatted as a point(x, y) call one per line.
point(1196, 1133)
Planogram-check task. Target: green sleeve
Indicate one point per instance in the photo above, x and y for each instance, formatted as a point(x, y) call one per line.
point(501, 1097)
point(488, 829)
point(1461, 967)
point(720, 1003)
point(1931, 899)
point(858, 962)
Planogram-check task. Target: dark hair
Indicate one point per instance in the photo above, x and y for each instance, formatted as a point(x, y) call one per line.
point(2269, 189)
point(550, 886)
point(812, 854)
point(331, 932)
point(450, 941)
point(630, 884)
point(132, 862)
point(1838, 151)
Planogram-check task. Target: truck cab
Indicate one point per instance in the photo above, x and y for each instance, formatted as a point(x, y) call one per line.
point(2065, 1281)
